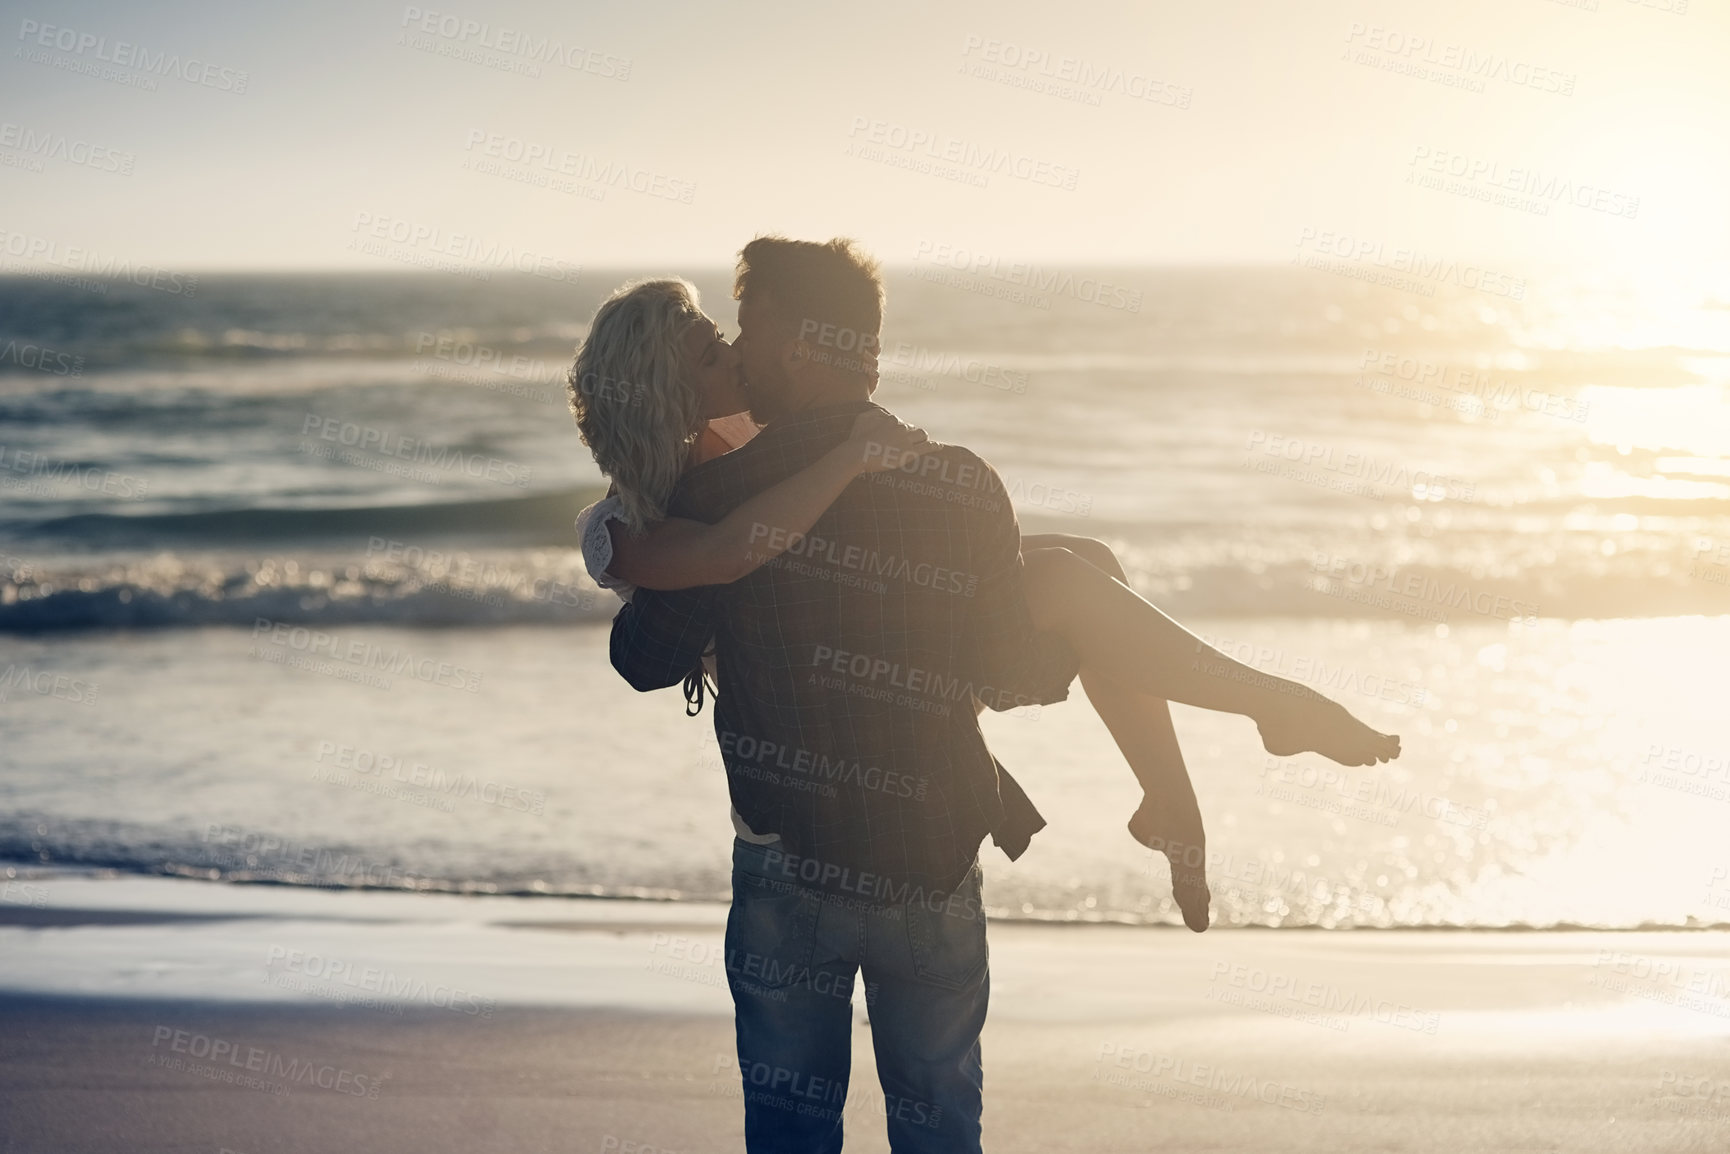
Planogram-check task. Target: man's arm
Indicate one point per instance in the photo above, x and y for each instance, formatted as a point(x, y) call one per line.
point(658, 638)
point(1017, 663)
point(682, 553)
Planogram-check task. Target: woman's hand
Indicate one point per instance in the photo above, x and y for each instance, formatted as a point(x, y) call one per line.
point(879, 443)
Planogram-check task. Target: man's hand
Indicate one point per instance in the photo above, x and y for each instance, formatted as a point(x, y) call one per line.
point(1173, 827)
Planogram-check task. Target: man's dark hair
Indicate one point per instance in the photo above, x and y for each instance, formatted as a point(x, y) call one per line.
point(808, 284)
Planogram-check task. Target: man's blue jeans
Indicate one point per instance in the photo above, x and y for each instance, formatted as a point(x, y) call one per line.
point(792, 953)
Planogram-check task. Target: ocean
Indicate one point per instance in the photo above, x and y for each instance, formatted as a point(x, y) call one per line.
point(289, 590)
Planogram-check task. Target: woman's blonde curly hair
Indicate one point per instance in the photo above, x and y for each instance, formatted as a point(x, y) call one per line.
point(635, 406)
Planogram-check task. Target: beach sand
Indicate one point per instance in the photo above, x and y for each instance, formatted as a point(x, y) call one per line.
point(134, 1011)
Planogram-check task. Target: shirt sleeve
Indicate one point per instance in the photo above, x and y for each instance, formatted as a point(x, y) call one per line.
point(597, 544)
point(659, 636)
point(1014, 663)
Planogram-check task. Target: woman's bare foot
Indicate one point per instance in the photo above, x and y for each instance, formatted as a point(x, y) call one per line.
point(1313, 724)
point(1180, 838)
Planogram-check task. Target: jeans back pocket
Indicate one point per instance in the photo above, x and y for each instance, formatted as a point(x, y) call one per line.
point(947, 938)
point(771, 932)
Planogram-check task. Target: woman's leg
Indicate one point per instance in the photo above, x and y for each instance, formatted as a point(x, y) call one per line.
point(1168, 820)
point(1123, 638)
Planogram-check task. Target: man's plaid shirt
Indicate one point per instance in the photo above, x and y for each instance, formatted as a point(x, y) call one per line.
point(848, 665)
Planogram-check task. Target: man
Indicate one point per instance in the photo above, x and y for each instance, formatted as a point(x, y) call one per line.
point(848, 670)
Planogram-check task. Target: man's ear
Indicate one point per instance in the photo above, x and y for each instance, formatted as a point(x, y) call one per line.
point(795, 356)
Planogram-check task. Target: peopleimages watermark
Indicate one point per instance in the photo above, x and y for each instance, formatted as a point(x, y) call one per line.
point(441, 249)
point(1669, 7)
point(934, 153)
point(700, 963)
point(354, 660)
point(1330, 789)
point(41, 359)
point(711, 963)
point(1385, 586)
point(1710, 561)
point(30, 146)
point(16, 893)
point(1255, 883)
point(376, 772)
point(1267, 662)
point(814, 1095)
point(917, 365)
point(1322, 1004)
point(1694, 1095)
point(241, 850)
point(120, 61)
point(466, 362)
point(1422, 57)
point(253, 1067)
point(1348, 471)
point(25, 469)
point(1718, 888)
point(875, 890)
point(562, 170)
point(810, 554)
point(613, 1144)
point(351, 443)
point(334, 979)
point(775, 763)
point(1526, 188)
point(502, 47)
point(905, 686)
point(1064, 77)
point(460, 575)
point(1666, 981)
point(1413, 377)
point(1169, 1076)
point(965, 482)
point(46, 683)
point(43, 276)
point(605, 388)
point(1687, 771)
point(1018, 281)
point(1406, 269)
point(838, 346)
point(40, 252)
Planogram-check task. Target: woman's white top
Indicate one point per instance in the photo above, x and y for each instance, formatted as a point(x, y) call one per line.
point(597, 546)
point(592, 522)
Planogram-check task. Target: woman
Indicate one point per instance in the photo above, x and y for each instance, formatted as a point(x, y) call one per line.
point(656, 389)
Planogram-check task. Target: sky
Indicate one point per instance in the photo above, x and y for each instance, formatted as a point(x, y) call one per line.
point(359, 134)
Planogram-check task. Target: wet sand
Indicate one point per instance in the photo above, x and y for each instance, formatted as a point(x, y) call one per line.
point(390, 1022)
